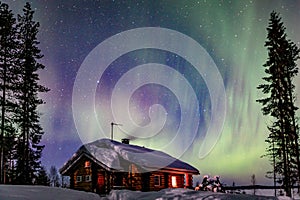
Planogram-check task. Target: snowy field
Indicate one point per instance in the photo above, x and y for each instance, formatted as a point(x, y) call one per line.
point(9, 192)
point(180, 194)
point(21, 192)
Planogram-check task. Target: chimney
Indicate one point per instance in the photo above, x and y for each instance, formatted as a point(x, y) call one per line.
point(125, 141)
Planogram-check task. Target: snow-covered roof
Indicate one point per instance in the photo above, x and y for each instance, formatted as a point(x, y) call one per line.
point(113, 155)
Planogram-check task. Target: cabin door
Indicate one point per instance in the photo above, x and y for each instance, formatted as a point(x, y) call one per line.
point(100, 183)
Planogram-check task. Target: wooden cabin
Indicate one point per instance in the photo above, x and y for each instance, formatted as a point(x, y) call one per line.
point(104, 165)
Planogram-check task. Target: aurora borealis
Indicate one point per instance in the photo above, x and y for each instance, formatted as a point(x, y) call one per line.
point(231, 32)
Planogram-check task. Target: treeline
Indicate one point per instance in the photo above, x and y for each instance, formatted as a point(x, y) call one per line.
point(52, 178)
point(21, 131)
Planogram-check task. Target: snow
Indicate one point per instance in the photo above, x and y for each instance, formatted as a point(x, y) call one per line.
point(113, 153)
point(105, 155)
point(24, 192)
point(270, 192)
point(179, 194)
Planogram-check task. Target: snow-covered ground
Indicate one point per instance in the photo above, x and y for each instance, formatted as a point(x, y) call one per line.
point(21, 192)
point(179, 194)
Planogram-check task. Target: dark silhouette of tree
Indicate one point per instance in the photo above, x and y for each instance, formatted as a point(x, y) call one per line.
point(42, 177)
point(28, 144)
point(253, 181)
point(8, 78)
point(281, 68)
point(21, 132)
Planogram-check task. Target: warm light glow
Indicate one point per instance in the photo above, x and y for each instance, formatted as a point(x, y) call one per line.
point(87, 164)
point(174, 182)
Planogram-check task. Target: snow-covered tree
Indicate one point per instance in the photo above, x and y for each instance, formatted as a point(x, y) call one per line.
point(54, 177)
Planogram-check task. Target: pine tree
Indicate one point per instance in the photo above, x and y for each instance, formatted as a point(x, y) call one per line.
point(29, 148)
point(8, 78)
point(42, 177)
point(281, 68)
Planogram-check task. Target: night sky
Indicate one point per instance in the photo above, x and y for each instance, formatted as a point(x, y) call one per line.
point(186, 86)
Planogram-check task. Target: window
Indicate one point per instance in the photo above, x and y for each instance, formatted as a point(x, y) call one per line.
point(78, 178)
point(174, 181)
point(87, 164)
point(156, 180)
point(88, 178)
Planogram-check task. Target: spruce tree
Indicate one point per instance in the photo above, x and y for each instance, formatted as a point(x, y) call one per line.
point(281, 68)
point(8, 79)
point(42, 177)
point(29, 148)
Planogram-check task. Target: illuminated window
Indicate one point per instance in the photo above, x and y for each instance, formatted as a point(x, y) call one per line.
point(156, 180)
point(174, 182)
point(88, 178)
point(87, 164)
point(78, 178)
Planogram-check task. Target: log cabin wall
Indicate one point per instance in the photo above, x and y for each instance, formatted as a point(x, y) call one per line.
point(188, 180)
point(133, 181)
point(134, 178)
point(72, 181)
point(108, 181)
point(82, 176)
point(157, 181)
point(175, 180)
point(89, 176)
point(99, 179)
point(146, 181)
point(94, 178)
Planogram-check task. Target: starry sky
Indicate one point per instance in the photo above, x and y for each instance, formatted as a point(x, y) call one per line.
point(191, 92)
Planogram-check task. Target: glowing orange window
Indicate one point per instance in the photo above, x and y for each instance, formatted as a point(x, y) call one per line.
point(87, 164)
point(174, 181)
